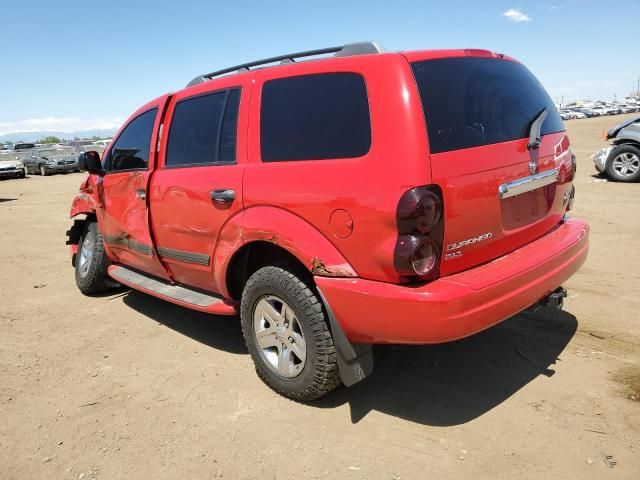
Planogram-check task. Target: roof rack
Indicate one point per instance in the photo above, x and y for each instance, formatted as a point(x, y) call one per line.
point(359, 48)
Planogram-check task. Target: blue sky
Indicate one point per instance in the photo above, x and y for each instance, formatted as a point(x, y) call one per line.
point(68, 65)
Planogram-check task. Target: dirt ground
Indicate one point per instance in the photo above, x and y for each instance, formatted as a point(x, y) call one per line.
point(128, 386)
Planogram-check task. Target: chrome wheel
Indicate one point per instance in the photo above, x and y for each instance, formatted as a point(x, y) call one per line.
point(626, 164)
point(86, 253)
point(279, 336)
point(42, 170)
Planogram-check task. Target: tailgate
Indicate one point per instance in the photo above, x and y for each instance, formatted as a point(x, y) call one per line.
point(480, 109)
point(480, 224)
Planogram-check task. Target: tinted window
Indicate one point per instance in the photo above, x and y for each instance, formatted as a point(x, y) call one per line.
point(315, 117)
point(229, 128)
point(203, 130)
point(470, 102)
point(131, 150)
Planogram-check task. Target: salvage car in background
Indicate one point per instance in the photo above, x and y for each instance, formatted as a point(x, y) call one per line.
point(621, 160)
point(48, 161)
point(12, 168)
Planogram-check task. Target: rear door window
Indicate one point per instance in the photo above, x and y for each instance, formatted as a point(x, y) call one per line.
point(315, 117)
point(203, 130)
point(469, 102)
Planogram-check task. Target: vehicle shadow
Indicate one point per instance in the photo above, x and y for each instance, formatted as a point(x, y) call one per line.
point(439, 385)
point(453, 383)
point(2, 200)
point(217, 331)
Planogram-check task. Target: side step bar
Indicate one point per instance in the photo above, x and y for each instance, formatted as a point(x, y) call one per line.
point(178, 294)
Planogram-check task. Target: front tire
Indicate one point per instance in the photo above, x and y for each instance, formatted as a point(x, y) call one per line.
point(43, 171)
point(91, 262)
point(624, 165)
point(287, 334)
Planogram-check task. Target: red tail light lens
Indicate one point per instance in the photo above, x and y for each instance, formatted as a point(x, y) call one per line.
point(567, 173)
point(421, 231)
point(419, 210)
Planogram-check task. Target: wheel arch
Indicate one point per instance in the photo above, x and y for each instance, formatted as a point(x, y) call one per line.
point(82, 211)
point(271, 234)
point(253, 256)
point(82, 204)
point(627, 141)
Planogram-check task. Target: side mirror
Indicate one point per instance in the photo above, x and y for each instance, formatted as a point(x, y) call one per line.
point(90, 162)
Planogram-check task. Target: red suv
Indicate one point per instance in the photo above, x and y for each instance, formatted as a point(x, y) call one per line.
point(359, 197)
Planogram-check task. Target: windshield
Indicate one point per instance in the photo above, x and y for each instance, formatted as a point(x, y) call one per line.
point(470, 101)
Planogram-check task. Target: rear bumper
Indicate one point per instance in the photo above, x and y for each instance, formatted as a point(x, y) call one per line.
point(462, 304)
point(600, 158)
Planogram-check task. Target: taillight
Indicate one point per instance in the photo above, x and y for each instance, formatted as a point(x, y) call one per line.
point(420, 233)
point(567, 174)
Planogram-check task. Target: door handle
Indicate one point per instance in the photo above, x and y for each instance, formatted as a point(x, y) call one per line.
point(141, 194)
point(224, 195)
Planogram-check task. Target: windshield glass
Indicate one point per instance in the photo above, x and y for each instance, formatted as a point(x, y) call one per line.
point(470, 101)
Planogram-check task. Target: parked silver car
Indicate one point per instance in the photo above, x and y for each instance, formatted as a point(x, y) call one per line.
point(48, 161)
point(12, 168)
point(621, 160)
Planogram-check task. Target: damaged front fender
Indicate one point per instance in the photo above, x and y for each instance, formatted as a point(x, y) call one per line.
point(82, 203)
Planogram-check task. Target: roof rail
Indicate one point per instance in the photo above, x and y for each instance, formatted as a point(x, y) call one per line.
point(359, 48)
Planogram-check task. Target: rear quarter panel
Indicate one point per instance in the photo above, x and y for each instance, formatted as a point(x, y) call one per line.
point(368, 187)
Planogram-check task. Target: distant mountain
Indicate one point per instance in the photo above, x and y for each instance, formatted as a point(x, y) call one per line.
point(33, 136)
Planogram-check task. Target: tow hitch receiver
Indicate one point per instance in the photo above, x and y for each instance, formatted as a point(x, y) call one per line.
point(553, 301)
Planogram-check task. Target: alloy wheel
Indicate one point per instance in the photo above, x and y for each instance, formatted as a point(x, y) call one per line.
point(86, 253)
point(626, 164)
point(279, 336)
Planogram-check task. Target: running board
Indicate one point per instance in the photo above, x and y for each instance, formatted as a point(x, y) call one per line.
point(173, 293)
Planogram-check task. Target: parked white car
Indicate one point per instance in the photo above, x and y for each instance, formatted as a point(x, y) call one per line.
point(102, 143)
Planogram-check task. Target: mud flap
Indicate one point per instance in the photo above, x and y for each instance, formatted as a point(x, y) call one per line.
point(355, 360)
point(75, 232)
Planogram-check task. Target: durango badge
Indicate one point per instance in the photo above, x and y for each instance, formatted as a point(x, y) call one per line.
point(469, 241)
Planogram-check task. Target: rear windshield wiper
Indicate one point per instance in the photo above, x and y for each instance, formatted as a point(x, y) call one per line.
point(534, 130)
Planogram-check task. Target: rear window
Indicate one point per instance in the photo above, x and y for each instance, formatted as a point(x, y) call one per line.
point(315, 117)
point(203, 130)
point(469, 102)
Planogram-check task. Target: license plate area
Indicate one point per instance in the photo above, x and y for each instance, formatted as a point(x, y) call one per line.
point(526, 208)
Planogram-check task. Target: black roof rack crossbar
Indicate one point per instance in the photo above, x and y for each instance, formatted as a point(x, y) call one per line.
point(360, 48)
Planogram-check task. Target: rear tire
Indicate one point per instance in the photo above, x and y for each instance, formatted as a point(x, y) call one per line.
point(91, 262)
point(624, 163)
point(295, 355)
